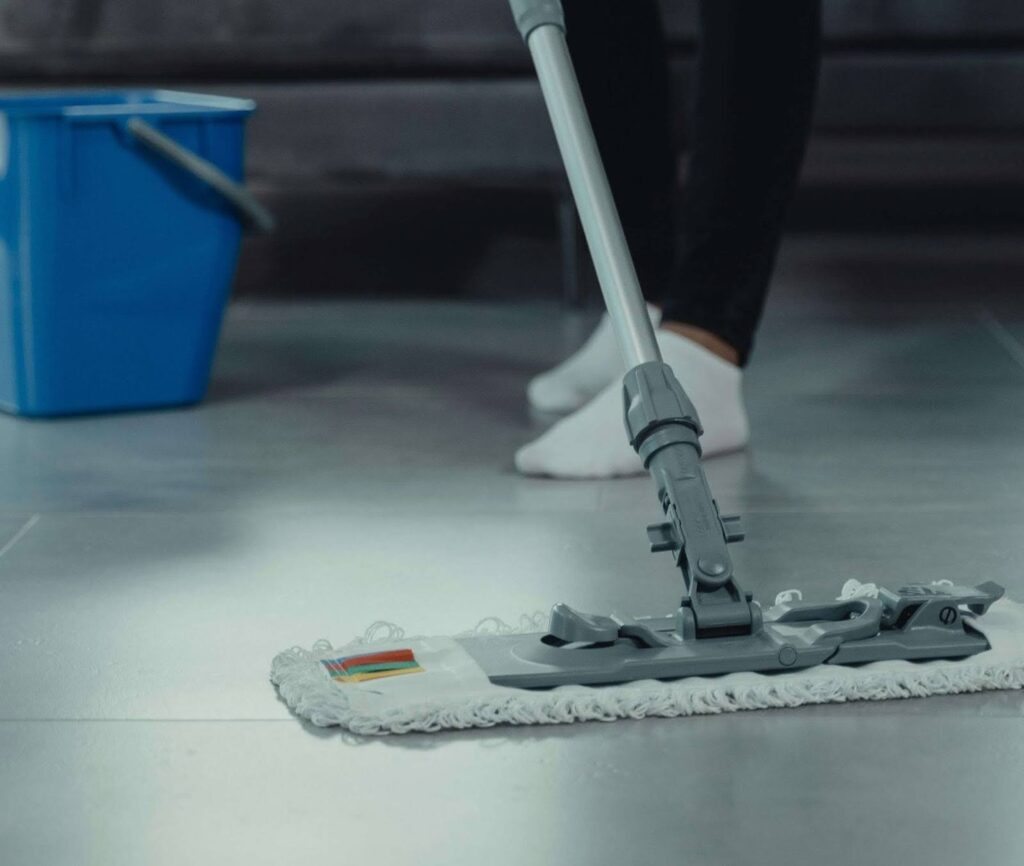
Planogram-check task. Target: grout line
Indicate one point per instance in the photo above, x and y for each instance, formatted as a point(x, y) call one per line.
point(1001, 335)
point(26, 528)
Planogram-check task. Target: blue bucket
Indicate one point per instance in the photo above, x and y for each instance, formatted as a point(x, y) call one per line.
point(121, 216)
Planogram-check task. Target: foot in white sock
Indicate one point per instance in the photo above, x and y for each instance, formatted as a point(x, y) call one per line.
point(583, 374)
point(591, 443)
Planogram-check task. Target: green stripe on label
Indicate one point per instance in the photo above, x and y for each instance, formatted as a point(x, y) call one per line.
point(385, 666)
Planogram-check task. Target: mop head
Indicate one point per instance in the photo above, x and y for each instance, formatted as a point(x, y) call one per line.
point(386, 683)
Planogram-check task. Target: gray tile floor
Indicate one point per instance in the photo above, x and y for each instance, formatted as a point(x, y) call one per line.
point(353, 462)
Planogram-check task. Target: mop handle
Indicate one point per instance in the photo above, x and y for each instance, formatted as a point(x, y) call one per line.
point(542, 25)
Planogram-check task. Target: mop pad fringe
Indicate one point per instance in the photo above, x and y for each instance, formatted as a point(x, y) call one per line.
point(467, 700)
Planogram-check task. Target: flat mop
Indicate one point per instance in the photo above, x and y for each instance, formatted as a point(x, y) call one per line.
point(719, 650)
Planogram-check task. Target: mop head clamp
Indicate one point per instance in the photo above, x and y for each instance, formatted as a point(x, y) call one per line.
point(718, 627)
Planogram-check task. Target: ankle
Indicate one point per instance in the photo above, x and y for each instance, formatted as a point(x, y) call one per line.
point(712, 342)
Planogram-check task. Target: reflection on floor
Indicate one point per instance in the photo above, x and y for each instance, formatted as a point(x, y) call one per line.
point(353, 463)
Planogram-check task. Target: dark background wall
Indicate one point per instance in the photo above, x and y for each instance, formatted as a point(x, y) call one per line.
point(382, 120)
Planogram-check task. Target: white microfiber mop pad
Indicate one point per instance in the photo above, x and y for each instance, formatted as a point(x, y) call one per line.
point(386, 683)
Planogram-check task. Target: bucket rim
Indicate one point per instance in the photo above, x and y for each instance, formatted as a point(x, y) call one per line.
point(94, 104)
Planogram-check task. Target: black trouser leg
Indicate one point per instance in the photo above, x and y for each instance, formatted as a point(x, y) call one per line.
point(619, 52)
point(755, 86)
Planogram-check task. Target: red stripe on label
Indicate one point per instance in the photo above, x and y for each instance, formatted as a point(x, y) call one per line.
point(402, 655)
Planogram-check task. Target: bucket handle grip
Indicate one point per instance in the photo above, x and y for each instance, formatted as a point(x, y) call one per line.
point(253, 214)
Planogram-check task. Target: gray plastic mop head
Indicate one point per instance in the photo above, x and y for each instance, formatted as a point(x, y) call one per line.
point(914, 623)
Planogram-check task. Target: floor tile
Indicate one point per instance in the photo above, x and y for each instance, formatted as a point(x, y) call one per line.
point(755, 789)
point(353, 463)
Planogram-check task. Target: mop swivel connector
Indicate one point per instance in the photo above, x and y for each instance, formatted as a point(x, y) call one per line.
point(664, 429)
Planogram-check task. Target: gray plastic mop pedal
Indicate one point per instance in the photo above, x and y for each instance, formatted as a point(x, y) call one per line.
point(922, 622)
point(570, 626)
point(936, 604)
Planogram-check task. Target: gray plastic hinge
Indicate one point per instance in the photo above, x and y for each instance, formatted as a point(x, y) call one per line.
point(531, 14)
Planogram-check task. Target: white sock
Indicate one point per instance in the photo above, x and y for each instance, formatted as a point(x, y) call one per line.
point(583, 374)
point(591, 443)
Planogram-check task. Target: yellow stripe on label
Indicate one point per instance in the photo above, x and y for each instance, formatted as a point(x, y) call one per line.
point(375, 675)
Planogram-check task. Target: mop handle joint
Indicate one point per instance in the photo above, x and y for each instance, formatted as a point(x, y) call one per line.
point(531, 14)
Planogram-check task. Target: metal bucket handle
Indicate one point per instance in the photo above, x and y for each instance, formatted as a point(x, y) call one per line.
point(252, 213)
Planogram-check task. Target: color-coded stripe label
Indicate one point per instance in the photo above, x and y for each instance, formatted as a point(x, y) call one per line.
point(372, 666)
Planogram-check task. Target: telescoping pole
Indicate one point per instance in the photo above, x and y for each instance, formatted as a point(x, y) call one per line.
point(543, 27)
